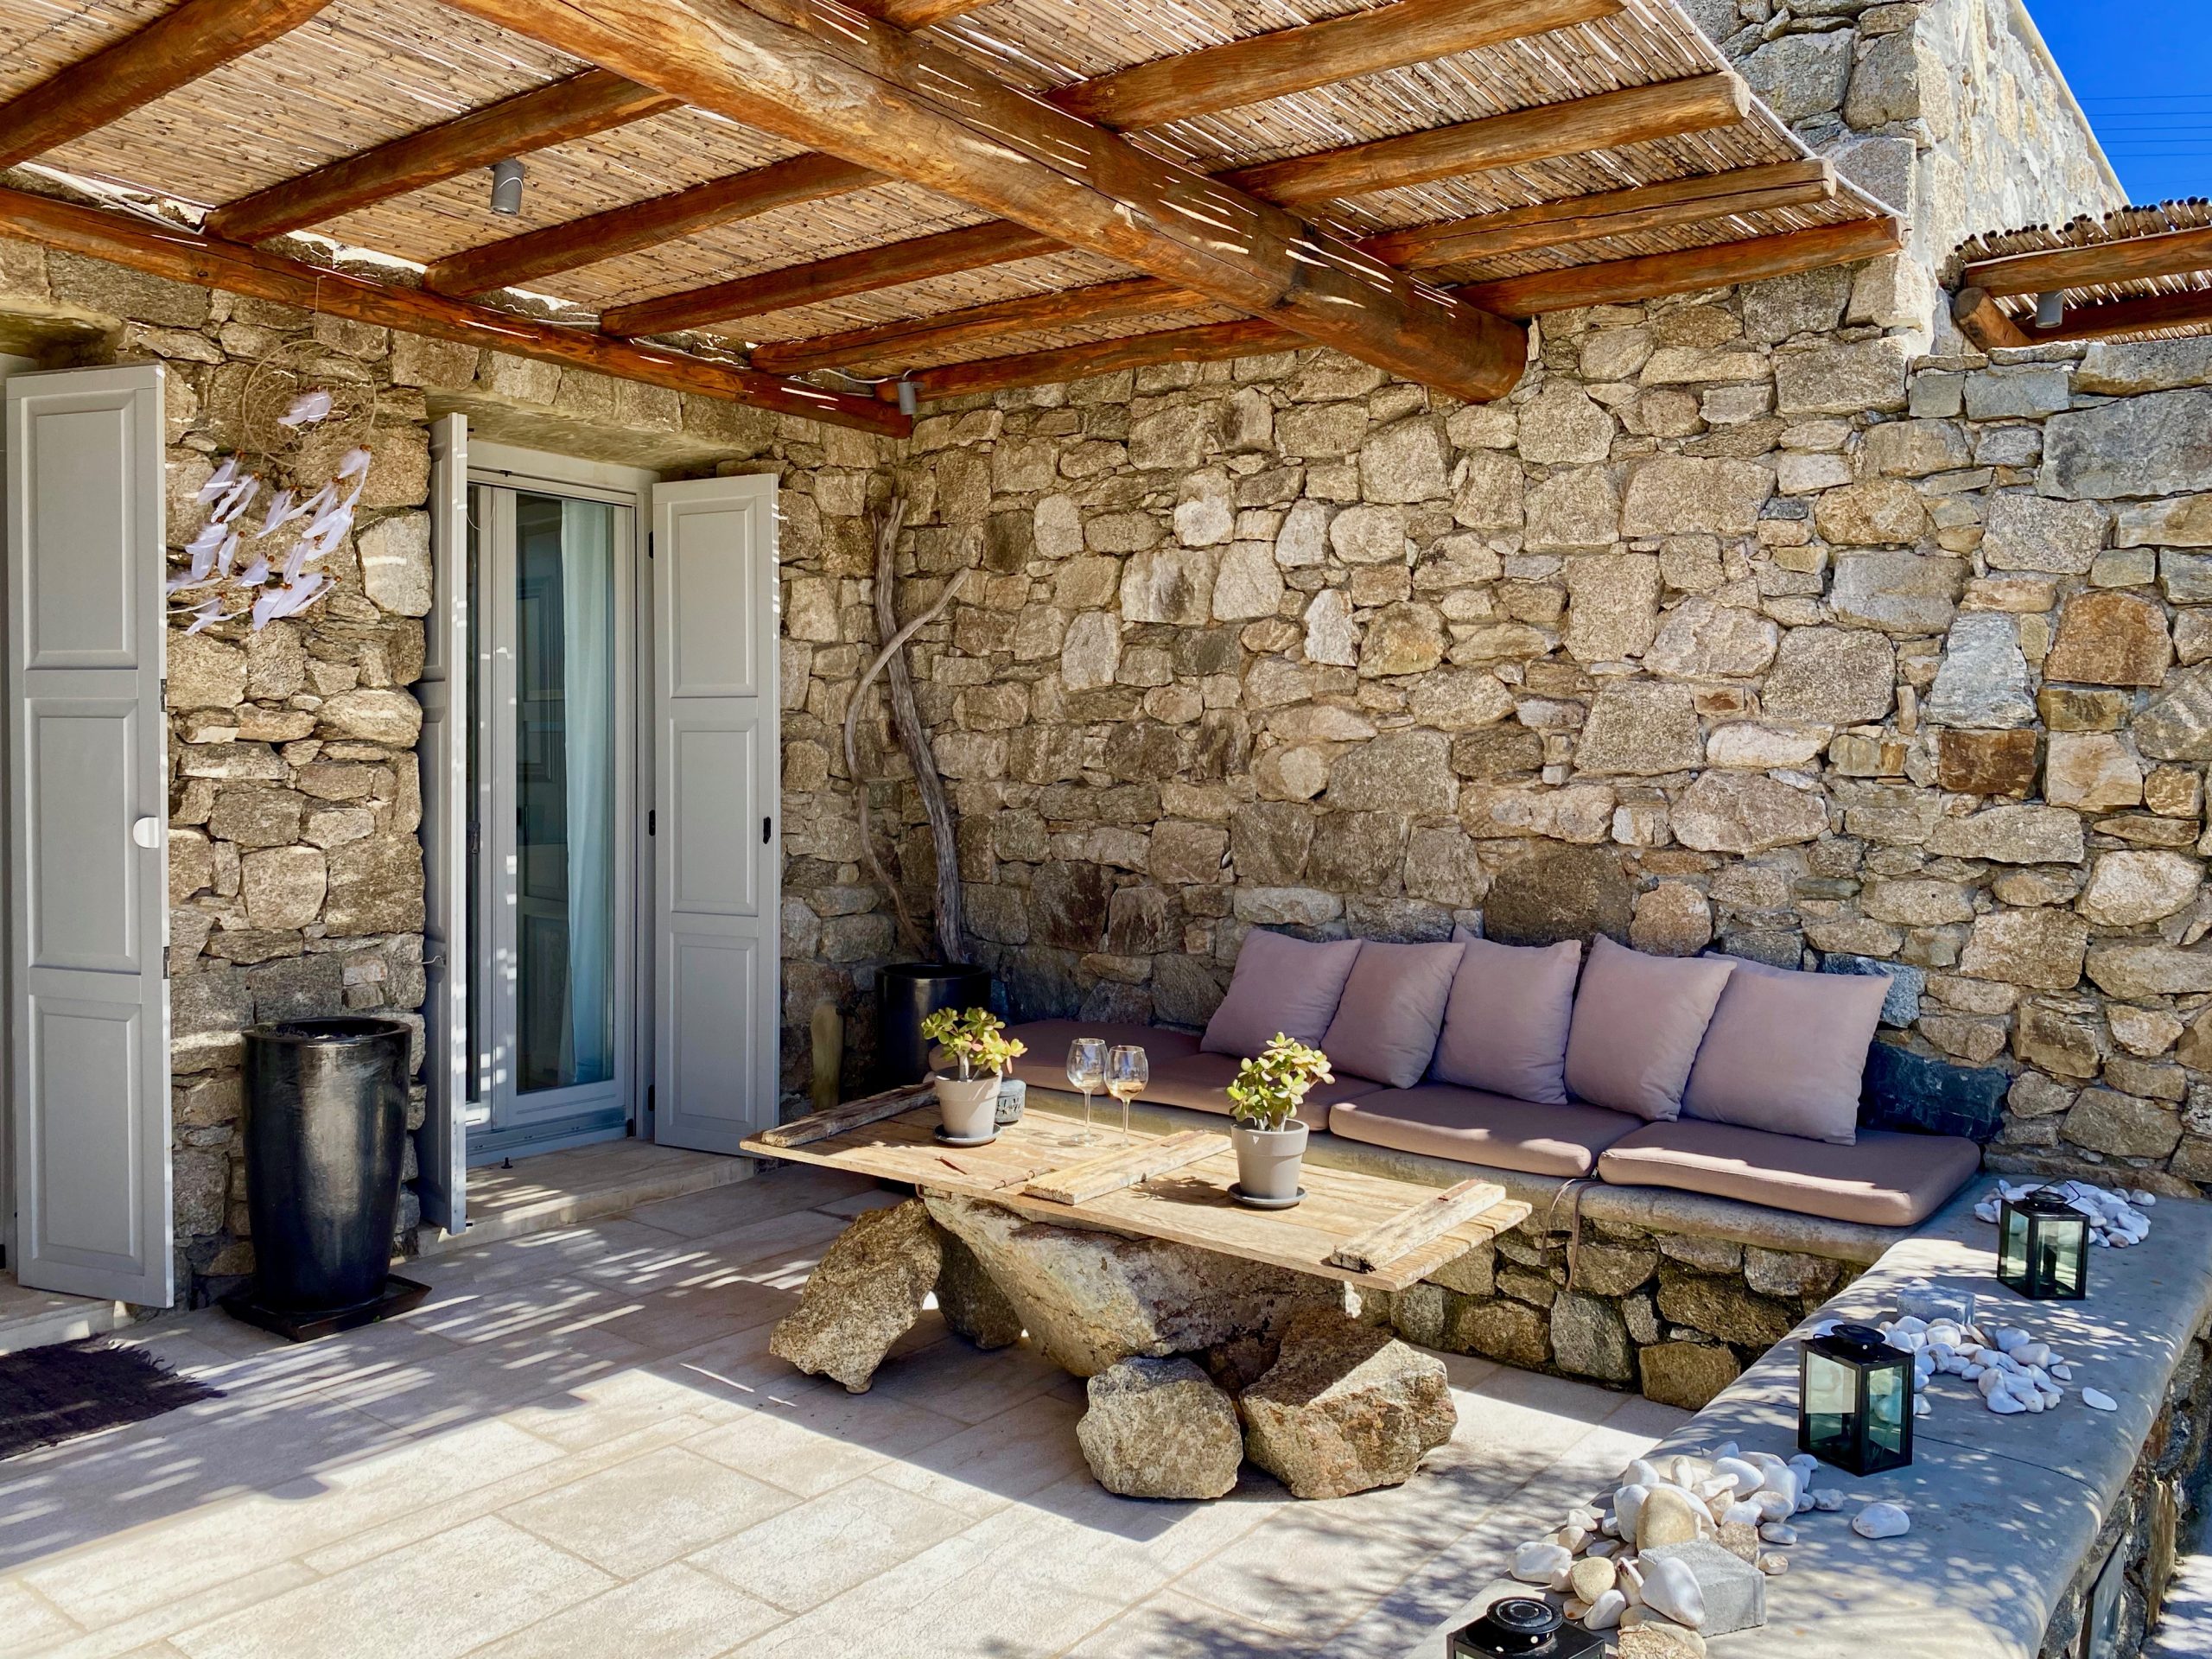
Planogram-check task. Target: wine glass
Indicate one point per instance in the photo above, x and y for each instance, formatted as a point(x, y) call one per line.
point(1127, 1073)
point(1087, 1071)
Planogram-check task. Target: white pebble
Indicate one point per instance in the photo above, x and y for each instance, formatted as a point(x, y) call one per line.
point(1829, 1502)
point(1605, 1612)
point(1745, 1476)
point(1776, 1532)
point(1923, 1407)
point(2098, 1400)
point(2004, 1405)
point(1881, 1521)
point(1671, 1589)
point(1540, 1563)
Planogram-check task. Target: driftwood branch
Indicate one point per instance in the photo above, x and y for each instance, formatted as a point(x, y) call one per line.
point(906, 723)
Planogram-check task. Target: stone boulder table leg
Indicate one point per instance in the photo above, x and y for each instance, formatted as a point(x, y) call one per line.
point(866, 1294)
point(1347, 1406)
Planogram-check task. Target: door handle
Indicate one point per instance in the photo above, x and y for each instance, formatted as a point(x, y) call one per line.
point(146, 832)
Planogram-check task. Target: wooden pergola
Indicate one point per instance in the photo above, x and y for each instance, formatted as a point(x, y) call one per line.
point(724, 196)
point(2142, 273)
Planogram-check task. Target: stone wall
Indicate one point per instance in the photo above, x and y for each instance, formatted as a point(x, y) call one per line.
point(296, 861)
point(1675, 1316)
point(1736, 626)
point(1950, 110)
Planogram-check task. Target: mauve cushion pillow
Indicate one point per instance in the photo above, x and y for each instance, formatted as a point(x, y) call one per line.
point(1505, 1022)
point(1786, 1053)
point(1393, 1005)
point(1638, 1020)
point(1280, 985)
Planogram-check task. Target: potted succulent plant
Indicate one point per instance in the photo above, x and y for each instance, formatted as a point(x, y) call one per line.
point(975, 1042)
point(1270, 1142)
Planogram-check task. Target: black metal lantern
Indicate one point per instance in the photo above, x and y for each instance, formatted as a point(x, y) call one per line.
point(2043, 1247)
point(1854, 1399)
point(1522, 1627)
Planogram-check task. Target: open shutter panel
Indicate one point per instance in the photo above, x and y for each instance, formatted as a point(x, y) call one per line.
point(442, 1146)
point(717, 853)
point(88, 859)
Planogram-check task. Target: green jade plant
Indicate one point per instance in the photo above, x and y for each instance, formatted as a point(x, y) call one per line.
point(975, 1039)
point(1269, 1090)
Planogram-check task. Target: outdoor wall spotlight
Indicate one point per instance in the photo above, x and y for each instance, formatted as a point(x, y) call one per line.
point(910, 398)
point(2050, 310)
point(1854, 1399)
point(506, 187)
point(1522, 1627)
point(2043, 1247)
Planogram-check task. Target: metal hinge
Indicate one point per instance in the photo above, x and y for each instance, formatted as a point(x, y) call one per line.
point(652, 820)
point(765, 823)
point(475, 836)
point(649, 544)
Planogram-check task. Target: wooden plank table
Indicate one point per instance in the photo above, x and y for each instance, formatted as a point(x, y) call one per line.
point(1369, 1230)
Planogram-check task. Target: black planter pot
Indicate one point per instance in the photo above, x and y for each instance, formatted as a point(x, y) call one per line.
point(907, 994)
point(326, 1126)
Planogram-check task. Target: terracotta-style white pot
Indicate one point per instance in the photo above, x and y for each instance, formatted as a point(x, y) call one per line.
point(1268, 1160)
point(971, 1110)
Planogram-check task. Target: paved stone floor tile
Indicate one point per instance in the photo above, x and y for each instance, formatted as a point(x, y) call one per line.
point(581, 1446)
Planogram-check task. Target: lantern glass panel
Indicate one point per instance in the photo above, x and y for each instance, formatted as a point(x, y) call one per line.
point(1889, 1408)
point(1830, 1406)
point(2012, 1254)
point(2062, 1249)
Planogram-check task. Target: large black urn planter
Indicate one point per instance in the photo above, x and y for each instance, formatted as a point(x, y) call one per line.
point(325, 1127)
point(907, 994)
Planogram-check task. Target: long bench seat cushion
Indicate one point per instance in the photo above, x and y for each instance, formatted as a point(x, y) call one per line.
point(1280, 985)
point(1201, 1082)
point(1638, 1020)
point(1046, 1064)
point(1884, 1179)
point(1385, 1026)
point(1787, 1052)
point(1505, 1022)
point(1474, 1128)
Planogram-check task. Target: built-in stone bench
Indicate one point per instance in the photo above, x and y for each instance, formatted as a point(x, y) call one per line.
point(1669, 1292)
point(2012, 1517)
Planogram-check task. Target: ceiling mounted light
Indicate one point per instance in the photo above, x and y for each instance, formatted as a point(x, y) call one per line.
point(2050, 310)
point(910, 397)
point(506, 188)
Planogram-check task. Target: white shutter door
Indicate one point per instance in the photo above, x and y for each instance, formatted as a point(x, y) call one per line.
point(441, 1148)
point(717, 849)
point(88, 812)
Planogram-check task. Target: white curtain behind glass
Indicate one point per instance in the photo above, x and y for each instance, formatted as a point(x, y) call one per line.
point(588, 658)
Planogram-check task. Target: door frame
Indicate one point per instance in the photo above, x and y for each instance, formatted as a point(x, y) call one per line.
point(9, 364)
point(510, 466)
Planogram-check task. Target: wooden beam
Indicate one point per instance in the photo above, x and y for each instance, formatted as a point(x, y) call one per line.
point(587, 103)
point(921, 13)
point(517, 259)
point(1130, 1166)
point(1619, 281)
point(1316, 55)
point(1615, 213)
point(1665, 110)
point(2192, 310)
point(1212, 343)
point(178, 47)
point(1418, 1224)
point(1135, 296)
point(822, 75)
point(2176, 253)
point(184, 257)
point(1982, 321)
point(850, 1116)
point(861, 271)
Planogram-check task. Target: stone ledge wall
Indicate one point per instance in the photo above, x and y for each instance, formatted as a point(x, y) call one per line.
point(1738, 625)
point(2152, 1510)
point(1675, 1316)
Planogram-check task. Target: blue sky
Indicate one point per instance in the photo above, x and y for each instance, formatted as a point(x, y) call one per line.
point(2143, 71)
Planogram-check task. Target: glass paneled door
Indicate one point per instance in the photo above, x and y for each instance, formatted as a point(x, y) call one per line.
point(551, 1002)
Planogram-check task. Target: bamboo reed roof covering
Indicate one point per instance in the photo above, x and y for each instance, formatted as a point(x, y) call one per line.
point(2139, 273)
point(859, 195)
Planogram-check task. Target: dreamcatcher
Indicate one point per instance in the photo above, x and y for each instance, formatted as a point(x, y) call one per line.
point(257, 556)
